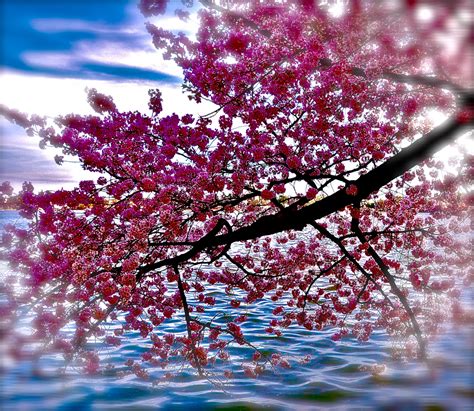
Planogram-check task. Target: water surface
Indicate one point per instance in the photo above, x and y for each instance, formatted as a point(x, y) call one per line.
point(338, 377)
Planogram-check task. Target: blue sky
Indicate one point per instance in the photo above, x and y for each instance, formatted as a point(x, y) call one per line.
point(34, 28)
point(52, 50)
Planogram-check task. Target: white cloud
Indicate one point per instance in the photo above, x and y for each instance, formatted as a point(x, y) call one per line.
point(59, 25)
point(110, 52)
point(53, 96)
point(53, 60)
point(175, 24)
point(22, 160)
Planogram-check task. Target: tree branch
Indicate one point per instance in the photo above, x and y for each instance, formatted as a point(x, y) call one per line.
point(375, 179)
point(395, 289)
point(297, 219)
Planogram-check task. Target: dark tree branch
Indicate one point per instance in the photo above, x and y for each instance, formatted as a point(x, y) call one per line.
point(375, 179)
point(317, 277)
point(198, 246)
point(182, 294)
point(395, 289)
point(187, 317)
point(297, 219)
point(324, 231)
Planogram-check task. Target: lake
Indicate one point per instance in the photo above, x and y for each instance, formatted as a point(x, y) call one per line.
point(339, 376)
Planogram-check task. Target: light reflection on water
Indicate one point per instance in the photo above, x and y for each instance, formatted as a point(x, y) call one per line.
point(334, 379)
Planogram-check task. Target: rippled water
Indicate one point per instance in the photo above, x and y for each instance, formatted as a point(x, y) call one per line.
point(335, 379)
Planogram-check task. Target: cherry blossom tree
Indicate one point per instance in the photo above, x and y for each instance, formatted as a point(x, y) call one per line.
point(313, 184)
